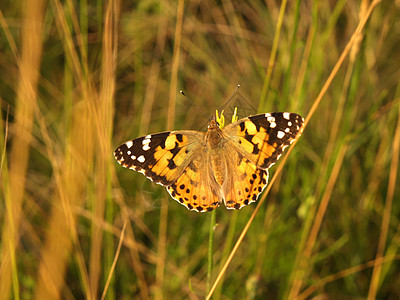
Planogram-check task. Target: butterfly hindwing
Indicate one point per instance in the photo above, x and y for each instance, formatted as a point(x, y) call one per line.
point(196, 187)
point(245, 183)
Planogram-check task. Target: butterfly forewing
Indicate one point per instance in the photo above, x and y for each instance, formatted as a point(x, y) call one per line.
point(161, 156)
point(263, 138)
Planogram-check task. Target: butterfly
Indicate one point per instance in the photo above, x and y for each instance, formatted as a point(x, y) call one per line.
point(202, 169)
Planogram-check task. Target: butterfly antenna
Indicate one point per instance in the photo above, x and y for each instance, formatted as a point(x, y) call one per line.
point(230, 98)
point(244, 103)
point(194, 105)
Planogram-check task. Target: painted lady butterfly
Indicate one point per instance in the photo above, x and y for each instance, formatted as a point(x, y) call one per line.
point(200, 169)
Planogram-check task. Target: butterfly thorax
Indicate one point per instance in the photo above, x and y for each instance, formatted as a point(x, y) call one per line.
point(213, 135)
point(214, 140)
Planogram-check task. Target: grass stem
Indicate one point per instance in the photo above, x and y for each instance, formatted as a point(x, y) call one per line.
point(211, 248)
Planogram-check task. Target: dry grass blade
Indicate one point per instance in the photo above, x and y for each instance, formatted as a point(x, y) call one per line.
point(323, 281)
point(170, 121)
point(19, 155)
point(301, 270)
point(271, 62)
point(121, 239)
point(3, 154)
point(103, 112)
point(387, 211)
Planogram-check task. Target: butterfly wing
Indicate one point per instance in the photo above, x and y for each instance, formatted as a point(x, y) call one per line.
point(197, 188)
point(177, 160)
point(245, 183)
point(256, 143)
point(263, 138)
point(161, 157)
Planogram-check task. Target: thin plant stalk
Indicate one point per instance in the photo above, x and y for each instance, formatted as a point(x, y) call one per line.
point(211, 248)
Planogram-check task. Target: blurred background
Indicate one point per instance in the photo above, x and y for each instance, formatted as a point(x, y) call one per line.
point(78, 78)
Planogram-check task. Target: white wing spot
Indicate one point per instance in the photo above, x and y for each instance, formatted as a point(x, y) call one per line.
point(289, 123)
point(129, 144)
point(272, 125)
point(287, 129)
point(267, 115)
point(129, 152)
point(286, 115)
point(141, 159)
point(133, 157)
point(146, 147)
point(280, 134)
point(146, 141)
point(270, 119)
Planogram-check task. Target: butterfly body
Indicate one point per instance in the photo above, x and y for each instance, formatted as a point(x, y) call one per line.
point(202, 169)
point(215, 144)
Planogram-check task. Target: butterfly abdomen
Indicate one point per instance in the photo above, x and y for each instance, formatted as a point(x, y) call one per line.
point(218, 169)
point(215, 145)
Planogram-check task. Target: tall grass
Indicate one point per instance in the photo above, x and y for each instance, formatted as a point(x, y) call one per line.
point(78, 79)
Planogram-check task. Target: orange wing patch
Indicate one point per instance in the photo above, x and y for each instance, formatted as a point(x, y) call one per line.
point(245, 185)
point(196, 190)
